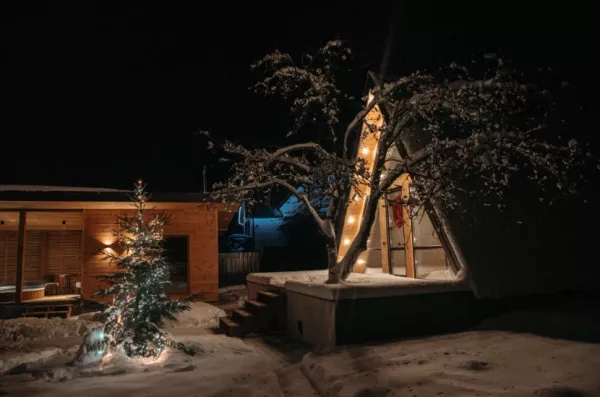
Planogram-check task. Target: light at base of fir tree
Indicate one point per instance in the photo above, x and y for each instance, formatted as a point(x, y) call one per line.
point(138, 287)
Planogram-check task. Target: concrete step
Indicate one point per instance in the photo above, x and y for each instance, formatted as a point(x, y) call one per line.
point(231, 328)
point(255, 307)
point(268, 297)
point(261, 312)
point(246, 319)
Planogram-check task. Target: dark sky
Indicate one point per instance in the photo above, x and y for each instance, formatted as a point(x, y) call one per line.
point(99, 94)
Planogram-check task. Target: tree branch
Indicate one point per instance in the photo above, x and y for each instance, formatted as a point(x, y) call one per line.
point(276, 181)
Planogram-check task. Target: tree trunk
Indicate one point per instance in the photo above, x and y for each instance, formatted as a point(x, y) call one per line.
point(335, 269)
point(360, 241)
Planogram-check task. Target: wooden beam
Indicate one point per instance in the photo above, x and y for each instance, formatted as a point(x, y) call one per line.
point(49, 206)
point(5, 209)
point(20, 257)
point(43, 255)
point(82, 254)
point(411, 270)
point(5, 259)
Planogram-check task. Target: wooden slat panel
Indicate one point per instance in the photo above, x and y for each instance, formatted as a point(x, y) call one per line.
point(238, 263)
point(33, 248)
point(63, 252)
point(8, 256)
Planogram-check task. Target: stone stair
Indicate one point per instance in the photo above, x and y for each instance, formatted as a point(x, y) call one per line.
point(267, 312)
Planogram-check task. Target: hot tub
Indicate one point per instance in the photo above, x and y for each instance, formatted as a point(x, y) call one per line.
point(31, 290)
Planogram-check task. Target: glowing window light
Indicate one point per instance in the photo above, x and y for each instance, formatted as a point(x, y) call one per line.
point(346, 241)
point(351, 220)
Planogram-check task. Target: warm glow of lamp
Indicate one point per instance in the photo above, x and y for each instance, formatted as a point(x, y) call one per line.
point(360, 261)
point(351, 220)
point(365, 151)
point(346, 241)
point(108, 243)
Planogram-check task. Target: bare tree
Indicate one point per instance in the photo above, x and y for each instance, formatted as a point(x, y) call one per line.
point(447, 130)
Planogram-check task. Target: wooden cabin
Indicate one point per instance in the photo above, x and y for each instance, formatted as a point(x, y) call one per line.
point(528, 248)
point(52, 238)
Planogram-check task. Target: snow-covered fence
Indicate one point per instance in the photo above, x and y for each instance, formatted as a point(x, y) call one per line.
point(234, 266)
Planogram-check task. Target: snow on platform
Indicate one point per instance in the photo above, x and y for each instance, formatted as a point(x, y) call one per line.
point(358, 285)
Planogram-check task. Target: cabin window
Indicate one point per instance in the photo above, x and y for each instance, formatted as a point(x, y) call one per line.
point(428, 250)
point(395, 224)
point(177, 255)
point(415, 247)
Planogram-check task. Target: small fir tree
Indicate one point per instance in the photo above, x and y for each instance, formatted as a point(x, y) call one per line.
point(139, 302)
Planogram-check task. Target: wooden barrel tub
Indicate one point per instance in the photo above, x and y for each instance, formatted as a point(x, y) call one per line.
point(31, 291)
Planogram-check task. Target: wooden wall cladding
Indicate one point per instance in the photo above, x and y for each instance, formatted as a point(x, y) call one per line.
point(47, 253)
point(199, 224)
point(71, 243)
point(40, 220)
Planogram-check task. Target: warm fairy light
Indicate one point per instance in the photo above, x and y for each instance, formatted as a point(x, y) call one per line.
point(346, 241)
point(351, 219)
point(365, 151)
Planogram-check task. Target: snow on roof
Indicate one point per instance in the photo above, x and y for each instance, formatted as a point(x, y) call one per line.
point(41, 188)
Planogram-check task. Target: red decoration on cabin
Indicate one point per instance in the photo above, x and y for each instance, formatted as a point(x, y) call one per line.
point(398, 214)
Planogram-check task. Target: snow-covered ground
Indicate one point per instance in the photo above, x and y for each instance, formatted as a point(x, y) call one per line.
point(485, 363)
point(491, 360)
point(37, 352)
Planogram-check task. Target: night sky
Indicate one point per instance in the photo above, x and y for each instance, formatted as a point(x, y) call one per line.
point(100, 94)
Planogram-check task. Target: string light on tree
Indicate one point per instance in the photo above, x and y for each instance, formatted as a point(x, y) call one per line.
point(139, 302)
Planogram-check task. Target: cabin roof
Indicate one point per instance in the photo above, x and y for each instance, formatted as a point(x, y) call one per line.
point(69, 193)
point(57, 198)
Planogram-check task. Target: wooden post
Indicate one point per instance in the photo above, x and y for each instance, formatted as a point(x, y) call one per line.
point(411, 271)
point(20, 257)
point(43, 256)
point(81, 253)
point(5, 258)
point(408, 243)
point(384, 232)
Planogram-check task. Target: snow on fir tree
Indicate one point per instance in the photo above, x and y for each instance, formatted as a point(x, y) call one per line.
point(139, 302)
